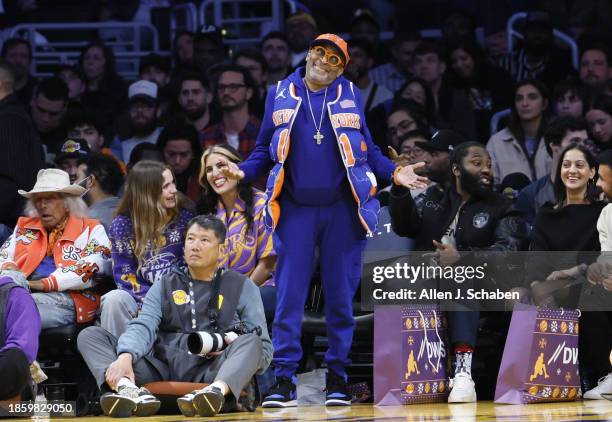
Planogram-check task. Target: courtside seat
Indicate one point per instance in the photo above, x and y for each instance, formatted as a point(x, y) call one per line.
point(55, 342)
point(58, 355)
point(69, 378)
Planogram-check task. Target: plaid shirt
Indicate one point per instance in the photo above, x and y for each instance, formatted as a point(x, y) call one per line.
point(215, 134)
point(387, 75)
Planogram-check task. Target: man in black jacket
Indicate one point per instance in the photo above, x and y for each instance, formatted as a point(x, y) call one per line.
point(466, 216)
point(22, 153)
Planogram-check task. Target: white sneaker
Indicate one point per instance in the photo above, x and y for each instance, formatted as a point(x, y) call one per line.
point(604, 386)
point(463, 412)
point(185, 404)
point(462, 389)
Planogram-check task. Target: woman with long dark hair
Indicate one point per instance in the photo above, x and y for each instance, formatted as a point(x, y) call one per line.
point(106, 91)
point(488, 87)
point(568, 225)
point(417, 90)
point(182, 49)
point(520, 147)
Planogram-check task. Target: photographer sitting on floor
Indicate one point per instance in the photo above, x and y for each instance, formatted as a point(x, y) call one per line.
point(228, 344)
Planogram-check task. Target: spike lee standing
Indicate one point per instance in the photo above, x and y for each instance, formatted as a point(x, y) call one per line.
point(321, 194)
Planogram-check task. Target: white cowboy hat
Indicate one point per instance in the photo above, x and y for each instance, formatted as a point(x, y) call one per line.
point(55, 181)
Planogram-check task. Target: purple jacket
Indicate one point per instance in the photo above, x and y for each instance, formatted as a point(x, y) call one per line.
point(22, 326)
point(137, 279)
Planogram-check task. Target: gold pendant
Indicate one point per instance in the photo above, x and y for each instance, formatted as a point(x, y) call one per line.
point(318, 137)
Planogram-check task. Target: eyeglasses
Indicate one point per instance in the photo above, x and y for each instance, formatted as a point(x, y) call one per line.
point(232, 88)
point(404, 126)
point(579, 140)
point(412, 151)
point(331, 58)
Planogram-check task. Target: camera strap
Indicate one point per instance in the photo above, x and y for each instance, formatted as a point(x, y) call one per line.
point(213, 302)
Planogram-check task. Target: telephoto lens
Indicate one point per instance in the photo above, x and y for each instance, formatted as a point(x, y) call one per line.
point(202, 342)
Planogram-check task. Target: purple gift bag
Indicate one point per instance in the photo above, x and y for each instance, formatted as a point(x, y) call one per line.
point(540, 361)
point(410, 355)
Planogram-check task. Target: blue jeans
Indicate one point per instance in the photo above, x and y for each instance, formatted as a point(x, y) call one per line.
point(268, 297)
point(56, 309)
point(5, 232)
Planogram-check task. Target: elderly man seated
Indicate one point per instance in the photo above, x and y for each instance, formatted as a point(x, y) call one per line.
point(200, 324)
point(59, 250)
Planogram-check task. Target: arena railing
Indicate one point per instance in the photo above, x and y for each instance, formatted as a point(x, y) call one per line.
point(561, 36)
point(238, 19)
point(183, 17)
point(129, 41)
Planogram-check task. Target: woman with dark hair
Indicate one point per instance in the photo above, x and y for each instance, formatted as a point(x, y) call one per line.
point(417, 90)
point(487, 86)
point(179, 143)
point(182, 49)
point(413, 102)
point(249, 248)
point(569, 225)
point(106, 91)
point(599, 118)
point(405, 116)
point(573, 188)
point(520, 147)
point(147, 237)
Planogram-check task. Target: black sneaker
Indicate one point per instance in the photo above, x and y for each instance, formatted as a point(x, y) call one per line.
point(282, 395)
point(128, 401)
point(208, 401)
point(337, 394)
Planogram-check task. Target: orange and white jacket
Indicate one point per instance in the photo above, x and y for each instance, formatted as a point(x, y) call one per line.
point(82, 251)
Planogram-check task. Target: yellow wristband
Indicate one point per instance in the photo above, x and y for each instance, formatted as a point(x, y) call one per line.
point(395, 172)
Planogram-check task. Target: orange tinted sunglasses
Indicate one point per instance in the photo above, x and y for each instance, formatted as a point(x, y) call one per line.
point(331, 58)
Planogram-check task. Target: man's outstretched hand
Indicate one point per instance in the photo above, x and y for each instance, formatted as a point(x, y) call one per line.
point(399, 159)
point(232, 171)
point(408, 178)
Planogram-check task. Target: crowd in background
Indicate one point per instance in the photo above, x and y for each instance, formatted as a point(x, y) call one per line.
point(147, 155)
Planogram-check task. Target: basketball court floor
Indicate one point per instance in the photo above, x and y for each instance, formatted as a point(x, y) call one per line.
point(599, 410)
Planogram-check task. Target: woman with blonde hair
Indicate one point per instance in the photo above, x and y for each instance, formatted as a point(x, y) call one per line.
point(147, 237)
point(249, 248)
